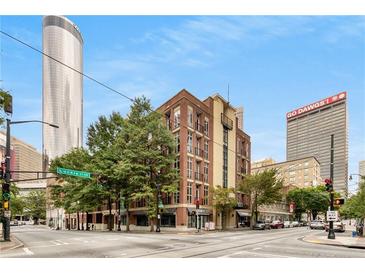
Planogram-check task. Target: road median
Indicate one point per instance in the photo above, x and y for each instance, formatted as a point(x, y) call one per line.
point(345, 241)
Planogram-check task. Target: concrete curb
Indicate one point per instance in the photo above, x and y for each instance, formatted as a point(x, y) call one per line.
point(332, 244)
point(17, 245)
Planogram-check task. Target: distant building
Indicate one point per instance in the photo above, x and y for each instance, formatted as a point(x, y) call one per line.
point(301, 173)
point(62, 87)
point(309, 131)
point(362, 168)
point(62, 95)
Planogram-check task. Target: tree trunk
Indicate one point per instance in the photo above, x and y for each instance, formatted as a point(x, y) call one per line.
point(110, 214)
point(69, 221)
point(119, 217)
point(223, 221)
point(151, 224)
point(127, 216)
point(78, 220)
point(82, 220)
point(87, 221)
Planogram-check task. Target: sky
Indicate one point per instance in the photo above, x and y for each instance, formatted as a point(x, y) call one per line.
point(272, 64)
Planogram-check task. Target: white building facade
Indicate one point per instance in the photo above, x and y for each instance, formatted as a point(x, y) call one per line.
point(62, 95)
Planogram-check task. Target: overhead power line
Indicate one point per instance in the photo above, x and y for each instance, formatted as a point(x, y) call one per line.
point(71, 68)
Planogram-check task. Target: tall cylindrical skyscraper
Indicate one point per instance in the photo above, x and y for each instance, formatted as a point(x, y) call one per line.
point(62, 87)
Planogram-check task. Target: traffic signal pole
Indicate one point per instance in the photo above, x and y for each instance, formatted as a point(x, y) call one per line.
point(331, 232)
point(6, 204)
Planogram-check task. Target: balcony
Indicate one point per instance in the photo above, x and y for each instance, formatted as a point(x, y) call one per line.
point(199, 127)
point(228, 123)
point(171, 125)
point(199, 176)
point(199, 152)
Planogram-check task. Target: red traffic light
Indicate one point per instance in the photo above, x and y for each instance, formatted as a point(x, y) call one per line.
point(328, 181)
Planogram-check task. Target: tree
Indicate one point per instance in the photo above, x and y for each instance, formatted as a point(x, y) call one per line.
point(106, 147)
point(5, 104)
point(264, 188)
point(69, 192)
point(355, 206)
point(148, 157)
point(224, 200)
point(35, 205)
point(310, 200)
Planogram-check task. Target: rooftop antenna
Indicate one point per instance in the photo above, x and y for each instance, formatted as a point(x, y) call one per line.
point(228, 93)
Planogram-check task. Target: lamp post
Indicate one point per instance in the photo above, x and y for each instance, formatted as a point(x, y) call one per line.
point(6, 218)
point(158, 208)
point(331, 232)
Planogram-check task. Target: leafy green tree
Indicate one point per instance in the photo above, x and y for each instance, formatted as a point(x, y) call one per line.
point(148, 157)
point(264, 188)
point(355, 205)
point(310, 200)
point(224, 200)
point(69, 192)
point(5, 100)
point(106, 148)
point(35, 205)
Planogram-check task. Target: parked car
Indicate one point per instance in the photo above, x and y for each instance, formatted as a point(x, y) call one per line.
point(277, 224)
point(14, 223)
point(295, 224)
point(337, 226)
point(316, 225)
point(303, 223)
point(287, 224)
point(261, 225)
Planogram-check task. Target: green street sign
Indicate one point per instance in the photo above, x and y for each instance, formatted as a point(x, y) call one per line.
point(76, 173)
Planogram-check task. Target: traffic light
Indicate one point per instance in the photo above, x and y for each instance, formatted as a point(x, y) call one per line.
point(197, 203)
point(339, 201)
point(6, 192)
point(329, 185)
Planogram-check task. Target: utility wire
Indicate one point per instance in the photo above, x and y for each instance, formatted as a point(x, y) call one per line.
point(58, 61)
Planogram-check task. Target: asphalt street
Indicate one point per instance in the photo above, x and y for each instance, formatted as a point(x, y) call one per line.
point(41, 242)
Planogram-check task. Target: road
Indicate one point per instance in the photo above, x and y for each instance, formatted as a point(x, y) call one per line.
point(41, 242)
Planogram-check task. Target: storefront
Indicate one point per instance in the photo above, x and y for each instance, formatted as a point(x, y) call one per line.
point(198, 217)
point(243, 218)
point(168, 217)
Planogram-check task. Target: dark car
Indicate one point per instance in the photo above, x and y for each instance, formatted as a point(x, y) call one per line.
point(262, 226)
point(277, 224)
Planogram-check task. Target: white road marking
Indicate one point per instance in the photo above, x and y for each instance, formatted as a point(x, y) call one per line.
point(257, 248)
point(62, 242)
point(55, 243)
point(27, 251)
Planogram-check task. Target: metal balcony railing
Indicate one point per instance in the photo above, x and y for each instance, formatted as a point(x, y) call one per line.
point(228, 123)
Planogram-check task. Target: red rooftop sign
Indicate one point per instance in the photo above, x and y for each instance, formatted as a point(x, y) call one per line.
point(313, 106)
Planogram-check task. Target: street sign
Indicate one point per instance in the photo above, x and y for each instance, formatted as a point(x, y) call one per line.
point(76, 173)
point(7, 213)
point(332, 215)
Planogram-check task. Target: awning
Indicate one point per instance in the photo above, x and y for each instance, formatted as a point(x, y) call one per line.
point(243, 213)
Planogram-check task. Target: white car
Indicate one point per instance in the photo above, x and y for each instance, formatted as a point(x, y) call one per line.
point(287, 224)
point(295, 224)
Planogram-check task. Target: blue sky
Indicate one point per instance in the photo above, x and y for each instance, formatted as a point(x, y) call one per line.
point(273, 64)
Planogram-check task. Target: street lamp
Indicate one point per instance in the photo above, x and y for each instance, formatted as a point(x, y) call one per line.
point(158, 208)
point(6, 218)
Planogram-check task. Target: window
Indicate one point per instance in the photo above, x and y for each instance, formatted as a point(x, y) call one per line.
point(306, 171)
point(190, 117)
point(206, 126)
point(177, 196)
point(190, 168)
point(142, 220)
point(206, 195)
point(206, 172)
point(177, 143)
point(197, 192)
point(225, 157)
point(197, 167)
point(292, 173)
point(206, 149)
point(190, 142)
point(177, 163)
point(291, 179)
point(177, 118)
point(168, 220)
point(189, 193)
point(306, 164)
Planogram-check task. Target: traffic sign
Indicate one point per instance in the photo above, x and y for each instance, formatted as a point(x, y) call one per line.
point(7, 213)
point(332, 215)
point(71, 172)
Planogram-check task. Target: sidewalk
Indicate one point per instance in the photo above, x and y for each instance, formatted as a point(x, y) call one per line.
point(345, 241)
point(14, 243)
